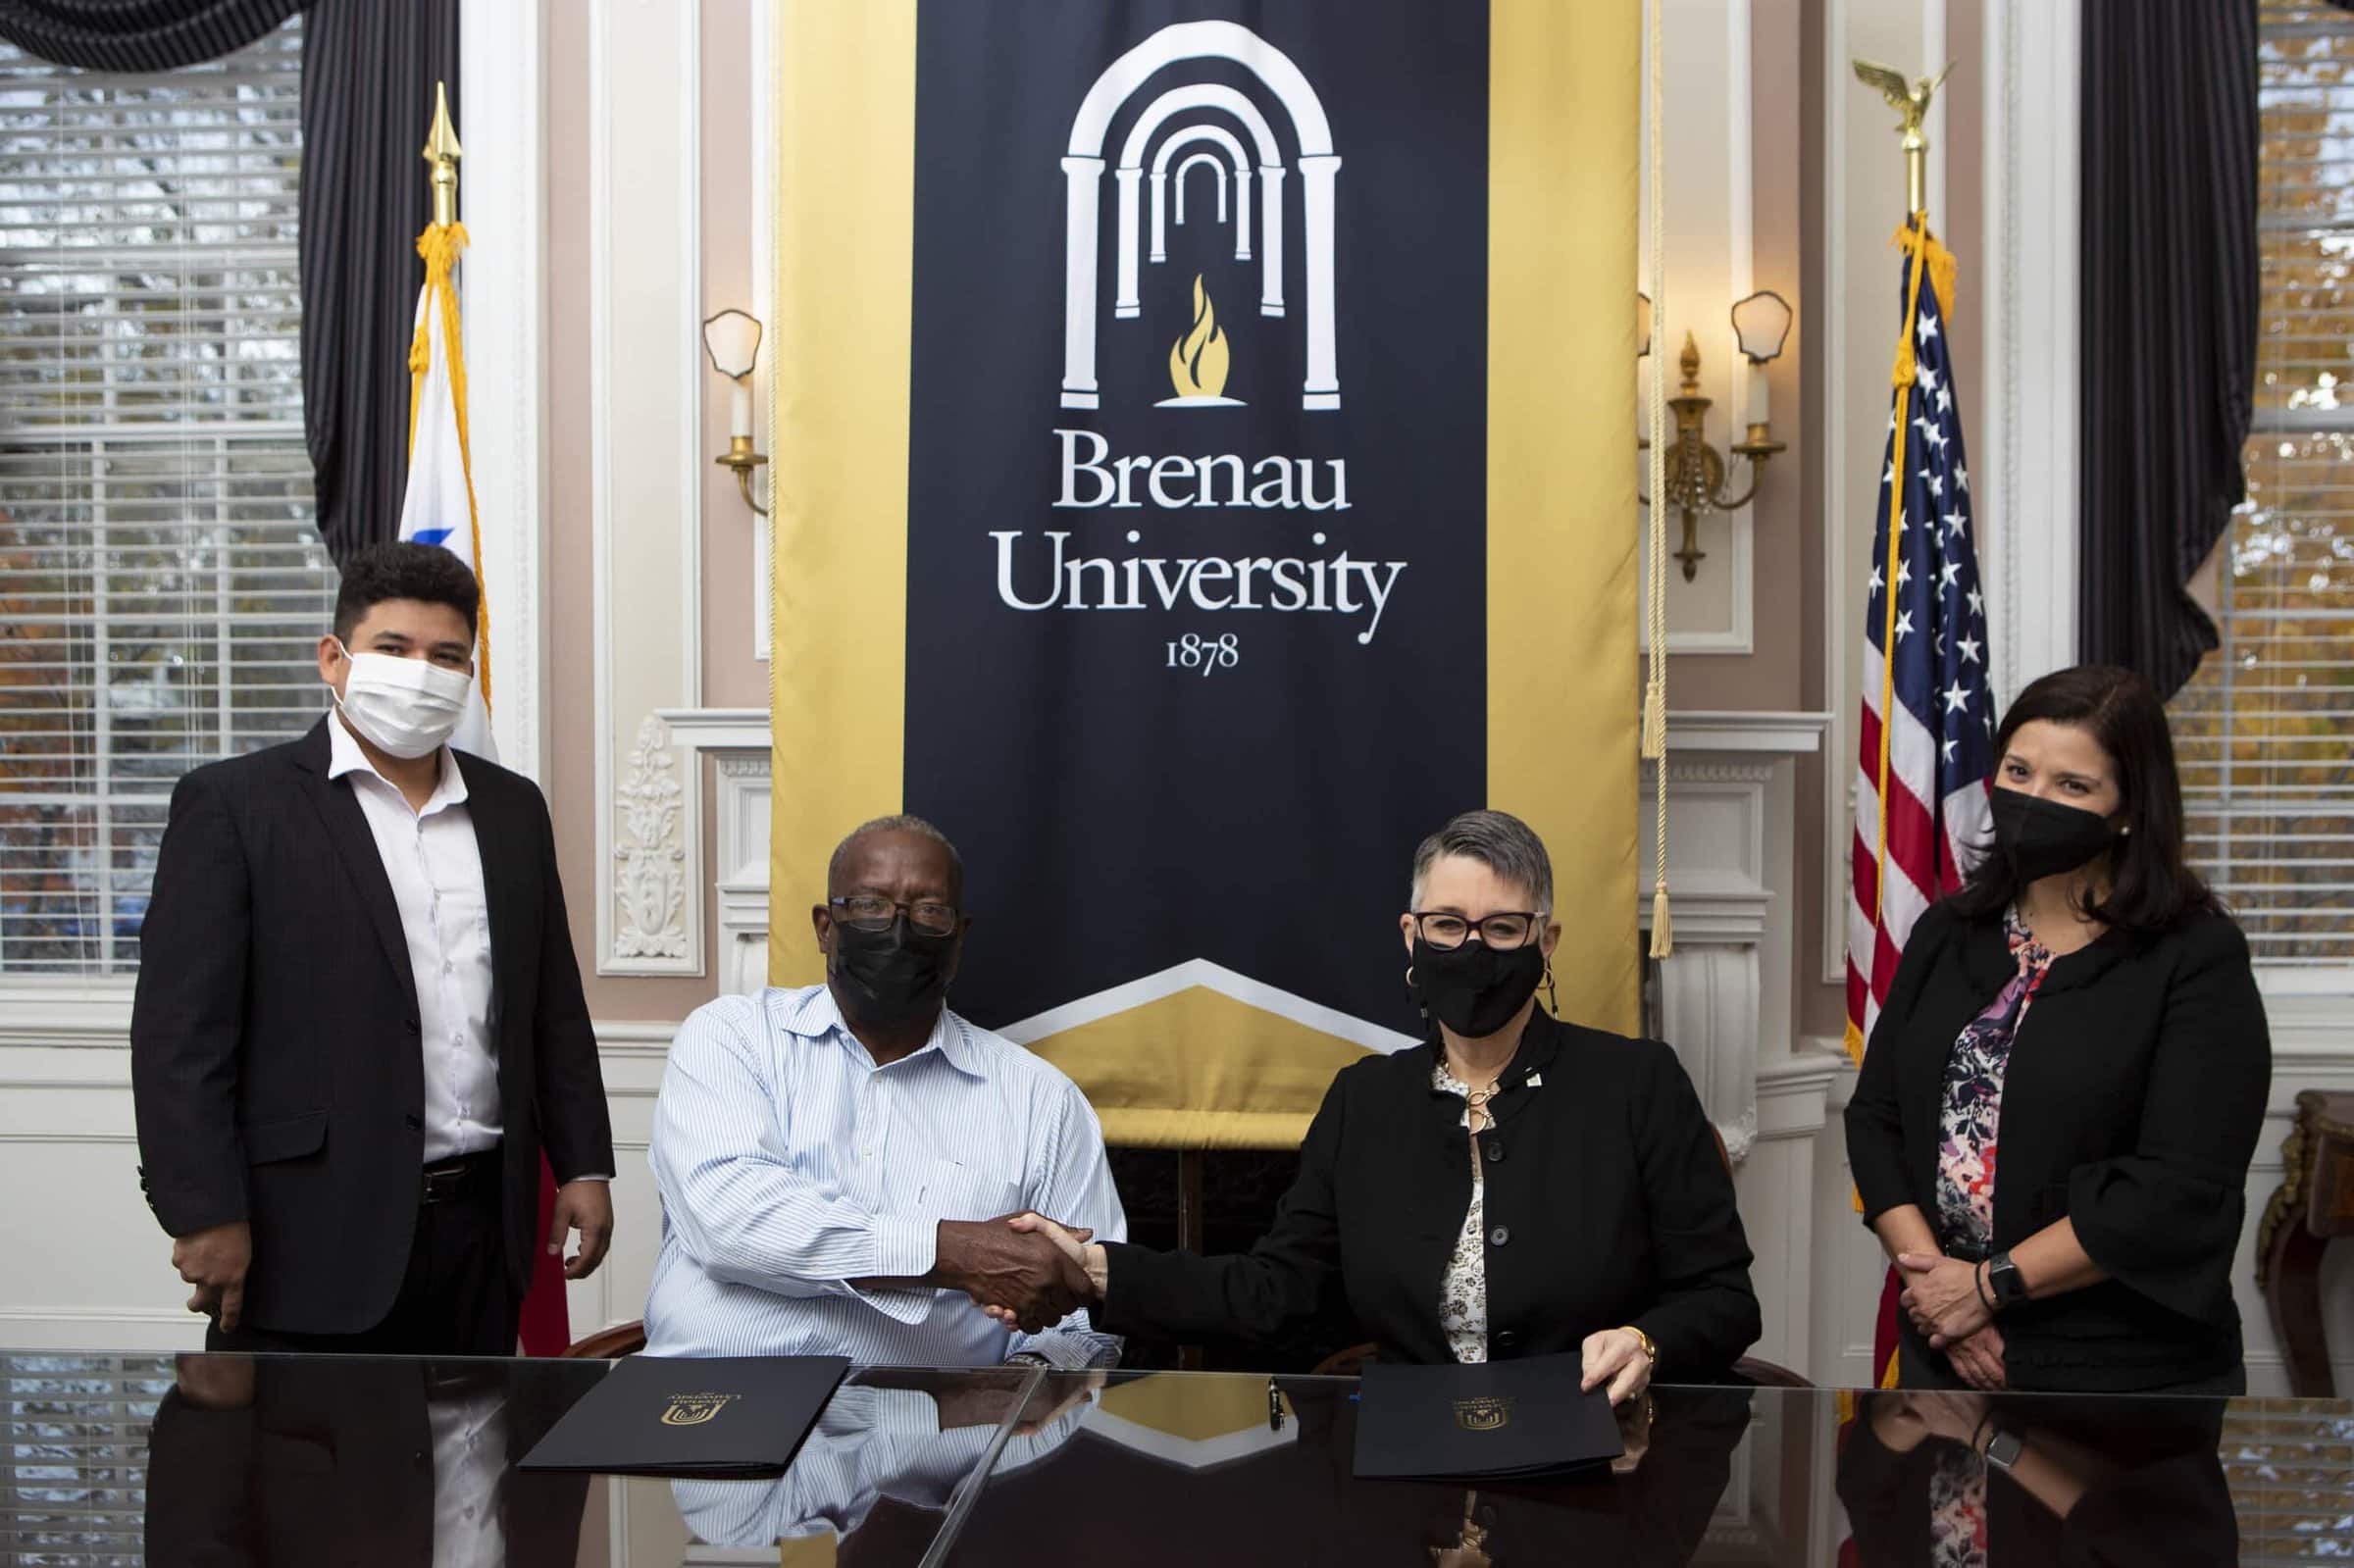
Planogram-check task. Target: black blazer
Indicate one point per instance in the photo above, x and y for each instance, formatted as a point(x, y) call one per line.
point(1608, 1204)
point(2131, 1104)
point(275, 1061)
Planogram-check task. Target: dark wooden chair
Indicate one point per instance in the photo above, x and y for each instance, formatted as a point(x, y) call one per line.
point(622, 1339)
point(2313, 1204)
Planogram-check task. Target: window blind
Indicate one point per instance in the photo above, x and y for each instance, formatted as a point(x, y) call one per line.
point(161, 583)
point(2266, 730)
point(73, 1439)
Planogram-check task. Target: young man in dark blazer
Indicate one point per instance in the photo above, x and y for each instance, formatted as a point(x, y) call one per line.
point(359, 1019)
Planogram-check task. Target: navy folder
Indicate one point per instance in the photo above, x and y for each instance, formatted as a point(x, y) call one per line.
point(1488, 1420)
point(718, 1417)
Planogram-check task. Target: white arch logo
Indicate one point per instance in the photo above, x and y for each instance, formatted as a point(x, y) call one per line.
point(1083, 178)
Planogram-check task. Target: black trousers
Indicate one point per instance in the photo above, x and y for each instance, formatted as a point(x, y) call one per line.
point(454, 1298)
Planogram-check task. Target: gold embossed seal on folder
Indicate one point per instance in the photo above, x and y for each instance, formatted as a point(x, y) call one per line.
point(693, 1409)
point(1485, 1414)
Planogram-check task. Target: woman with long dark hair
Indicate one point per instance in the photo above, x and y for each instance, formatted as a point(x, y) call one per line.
point(2084, 1004)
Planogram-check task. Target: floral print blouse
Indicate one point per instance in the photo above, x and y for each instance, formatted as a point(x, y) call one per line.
point(1463, 1292)
point(1972, 1106)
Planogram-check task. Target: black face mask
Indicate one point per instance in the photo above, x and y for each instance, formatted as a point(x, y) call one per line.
point(896, 975)
point(1474, 989)
point(2043, 837)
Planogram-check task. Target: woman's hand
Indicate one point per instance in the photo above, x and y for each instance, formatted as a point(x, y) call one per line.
point(1080, 1248)
point(1977, 1359)
point(1942, 1296)
point(1615, 1357)
point(1951, 1415)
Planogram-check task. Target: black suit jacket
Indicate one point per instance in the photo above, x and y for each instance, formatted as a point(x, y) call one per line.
point(1608, 1204)
point(332, 1463)
point(2132, 1104)
point(275, 1056)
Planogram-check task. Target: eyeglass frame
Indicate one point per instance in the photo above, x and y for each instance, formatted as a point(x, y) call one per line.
point(898, 906)
point(1536, 919)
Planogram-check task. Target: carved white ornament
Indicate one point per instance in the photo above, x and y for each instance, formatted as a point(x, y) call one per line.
point(649, 862)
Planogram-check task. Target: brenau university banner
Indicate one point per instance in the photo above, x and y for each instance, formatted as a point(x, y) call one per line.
point(1205, 463)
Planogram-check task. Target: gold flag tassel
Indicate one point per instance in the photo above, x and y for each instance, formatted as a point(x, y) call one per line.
point(439, 246)
point(1655, 594)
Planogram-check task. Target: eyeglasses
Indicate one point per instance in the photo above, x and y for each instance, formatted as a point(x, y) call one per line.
point(862, 912)
point(1509, 929)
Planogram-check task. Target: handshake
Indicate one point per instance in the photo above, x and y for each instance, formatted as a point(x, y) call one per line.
point(1026, 1272)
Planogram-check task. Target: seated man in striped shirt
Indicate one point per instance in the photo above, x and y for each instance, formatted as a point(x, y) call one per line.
point(836, 1163)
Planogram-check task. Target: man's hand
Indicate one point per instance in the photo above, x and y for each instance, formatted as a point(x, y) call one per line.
point(1026, 1275)
point(1977, 1359)
point(586, 1207)
point(1943, 1297)
point(214, 1261)
point(1615, 1356)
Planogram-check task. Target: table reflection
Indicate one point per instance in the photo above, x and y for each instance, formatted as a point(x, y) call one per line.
point(1182, 1469)
point(2074, 1481)
point(885, 1464)
point(301, 1460)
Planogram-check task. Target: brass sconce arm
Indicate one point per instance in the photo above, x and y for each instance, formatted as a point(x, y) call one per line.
point(1696, 470)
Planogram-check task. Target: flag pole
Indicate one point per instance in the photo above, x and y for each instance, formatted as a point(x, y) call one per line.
point(442, 150)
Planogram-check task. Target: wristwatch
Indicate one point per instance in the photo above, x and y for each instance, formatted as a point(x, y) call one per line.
point(2004, 1279)
point(2003, 1449)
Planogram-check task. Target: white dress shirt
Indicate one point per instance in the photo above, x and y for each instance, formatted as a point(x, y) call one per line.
point(791, 1164)
point(435, 867)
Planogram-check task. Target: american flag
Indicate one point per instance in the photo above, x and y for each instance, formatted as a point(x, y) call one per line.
point(1922, 812)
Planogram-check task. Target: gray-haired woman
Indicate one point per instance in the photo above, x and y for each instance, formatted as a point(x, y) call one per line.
point(1515, 1186)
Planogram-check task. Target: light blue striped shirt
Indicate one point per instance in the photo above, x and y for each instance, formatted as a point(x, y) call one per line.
point(790, 1164)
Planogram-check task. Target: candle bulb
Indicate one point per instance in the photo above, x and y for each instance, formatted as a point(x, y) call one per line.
point(739, 408)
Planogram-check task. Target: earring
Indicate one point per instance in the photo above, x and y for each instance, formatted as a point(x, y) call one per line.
point(1553, 1002)
point(1410, 977)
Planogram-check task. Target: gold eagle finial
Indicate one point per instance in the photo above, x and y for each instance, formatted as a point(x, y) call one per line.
point(1910, 98)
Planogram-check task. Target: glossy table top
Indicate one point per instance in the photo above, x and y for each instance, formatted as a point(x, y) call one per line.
point(123, 1460)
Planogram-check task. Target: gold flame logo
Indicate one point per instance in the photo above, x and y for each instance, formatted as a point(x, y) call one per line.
point(1197, 360)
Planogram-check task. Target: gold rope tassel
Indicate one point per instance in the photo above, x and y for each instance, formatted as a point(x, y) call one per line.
point(1653, 747)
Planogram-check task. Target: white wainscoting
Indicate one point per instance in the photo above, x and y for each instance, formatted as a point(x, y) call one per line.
point(89, 1269)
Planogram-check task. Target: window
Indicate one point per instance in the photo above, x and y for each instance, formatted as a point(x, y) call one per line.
point(162, 581)
point(2266, 731)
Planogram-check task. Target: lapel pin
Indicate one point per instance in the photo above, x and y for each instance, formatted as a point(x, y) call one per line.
point(1536, 1079)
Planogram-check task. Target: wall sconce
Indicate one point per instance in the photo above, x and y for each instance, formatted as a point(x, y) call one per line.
point(733, 341)
point(1694, 468)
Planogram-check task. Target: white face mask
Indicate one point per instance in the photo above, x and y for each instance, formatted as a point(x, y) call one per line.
point(407, 707)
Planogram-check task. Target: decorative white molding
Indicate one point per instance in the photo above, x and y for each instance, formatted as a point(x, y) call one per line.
point(75, 1013)
point(744, 729)
point(649, 860)
point(1780, 734)
point(744, 892)
point(2029, 449)
point(645, 435)
point(502, 118)
point(1724, 995)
